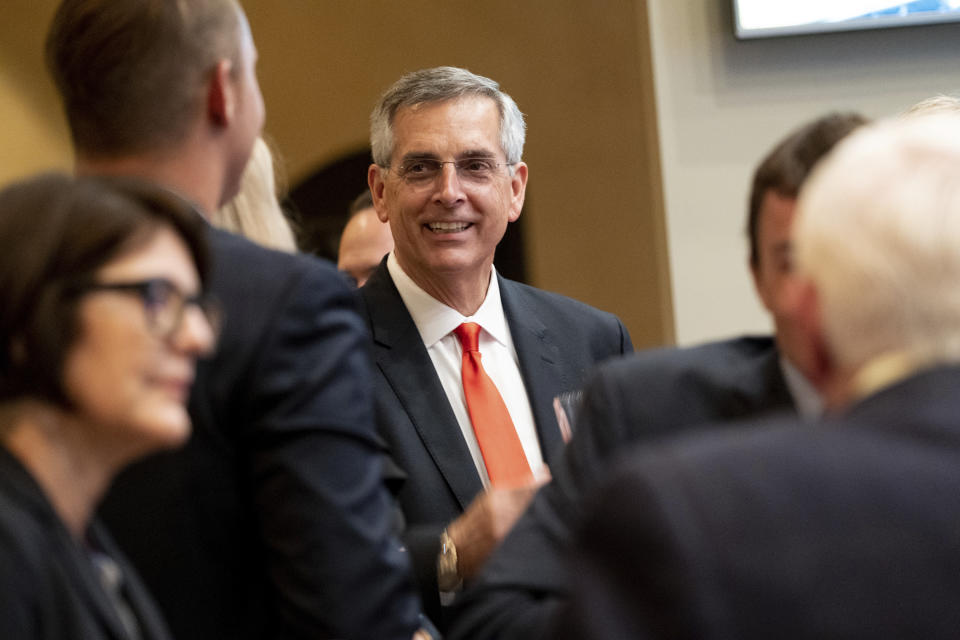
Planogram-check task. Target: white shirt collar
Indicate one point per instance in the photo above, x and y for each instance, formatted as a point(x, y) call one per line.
point(885, 370)
point(434, 320)
point(805, 396)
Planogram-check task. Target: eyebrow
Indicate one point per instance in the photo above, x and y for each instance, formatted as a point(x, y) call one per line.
point(424, 155)
point(417, 155)
point(477, 153)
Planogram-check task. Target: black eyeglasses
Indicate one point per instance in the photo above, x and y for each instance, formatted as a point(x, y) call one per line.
point(419, 172)
point(163, 303)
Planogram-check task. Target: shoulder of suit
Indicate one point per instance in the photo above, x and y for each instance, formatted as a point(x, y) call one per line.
point(711, 362)
point(710, 454)
point(253, 265)
point(550, 301)
point(25, 527)
point(233, 246)
point(834, 451)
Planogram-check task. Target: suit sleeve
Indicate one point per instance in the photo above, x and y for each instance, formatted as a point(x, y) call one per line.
point(633, 561)
point(423, 543)
point(324, 513)
point(526, 579)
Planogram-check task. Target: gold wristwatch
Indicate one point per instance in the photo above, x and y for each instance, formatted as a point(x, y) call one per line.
point(448, 577)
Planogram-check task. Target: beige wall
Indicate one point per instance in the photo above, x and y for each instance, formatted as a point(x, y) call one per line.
point(723, 103)
point(32, 134)
point(580, 71)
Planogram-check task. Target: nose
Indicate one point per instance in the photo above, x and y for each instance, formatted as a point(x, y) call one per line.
point(195, 336)
point(450, 188)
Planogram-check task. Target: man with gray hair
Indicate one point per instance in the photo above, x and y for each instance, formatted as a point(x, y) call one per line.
point(474, 438)
point(846, 527)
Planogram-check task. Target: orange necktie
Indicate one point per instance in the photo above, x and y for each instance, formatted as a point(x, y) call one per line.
point(502, 452)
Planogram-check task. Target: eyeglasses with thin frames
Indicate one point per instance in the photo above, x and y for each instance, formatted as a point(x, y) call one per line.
point(473, 171)
point(163, 303)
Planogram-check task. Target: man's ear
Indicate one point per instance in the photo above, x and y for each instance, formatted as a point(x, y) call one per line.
point(221, 99)
point(518, 190)
point(375, 180)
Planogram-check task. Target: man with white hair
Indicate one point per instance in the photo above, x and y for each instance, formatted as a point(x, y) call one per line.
point(842, 528)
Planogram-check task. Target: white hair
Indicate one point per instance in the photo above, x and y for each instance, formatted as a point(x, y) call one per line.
point(438, 85)
point(878, 233)
point(941, 103)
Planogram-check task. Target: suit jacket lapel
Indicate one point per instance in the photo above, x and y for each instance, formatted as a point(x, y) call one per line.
point(81, 566)
point(152, 624)
point(401, 357)
point(76, 564)
point(540, 365)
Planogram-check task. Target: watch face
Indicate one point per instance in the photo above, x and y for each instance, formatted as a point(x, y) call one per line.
point(448, 578)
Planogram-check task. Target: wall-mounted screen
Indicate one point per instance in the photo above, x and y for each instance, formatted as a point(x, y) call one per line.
point(764, 18)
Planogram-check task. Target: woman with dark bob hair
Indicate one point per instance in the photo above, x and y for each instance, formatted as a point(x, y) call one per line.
point(102, 318)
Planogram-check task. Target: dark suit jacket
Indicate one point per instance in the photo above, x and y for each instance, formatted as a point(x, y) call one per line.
point(844, 529)
point(557, 341)
point(49, 589)
point(273, 521)
point(645, 397)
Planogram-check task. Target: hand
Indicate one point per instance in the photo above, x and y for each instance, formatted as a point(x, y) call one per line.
point(486, 523)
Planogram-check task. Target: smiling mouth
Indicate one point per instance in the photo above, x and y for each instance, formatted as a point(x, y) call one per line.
point(176, 387)
point(448, 227)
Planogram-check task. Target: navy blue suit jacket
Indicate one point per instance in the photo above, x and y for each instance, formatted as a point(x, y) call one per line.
point(273, 521)
point(558, 340)
point(642, 398)
point(48, 585)
point(842, 529)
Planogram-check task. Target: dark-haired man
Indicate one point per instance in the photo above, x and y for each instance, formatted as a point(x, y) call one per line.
point(839, 527)
point(659, 393)
point(273, 522)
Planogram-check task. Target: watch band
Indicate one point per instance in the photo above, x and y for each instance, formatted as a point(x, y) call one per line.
point(448, 576)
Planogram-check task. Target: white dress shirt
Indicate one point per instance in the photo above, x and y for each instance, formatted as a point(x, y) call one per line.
point(805, 397)
point(436, 321)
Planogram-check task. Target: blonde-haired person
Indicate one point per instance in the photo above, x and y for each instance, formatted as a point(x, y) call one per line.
point(255, 212)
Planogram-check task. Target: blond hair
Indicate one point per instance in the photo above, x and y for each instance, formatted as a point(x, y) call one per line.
point(255, 211)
